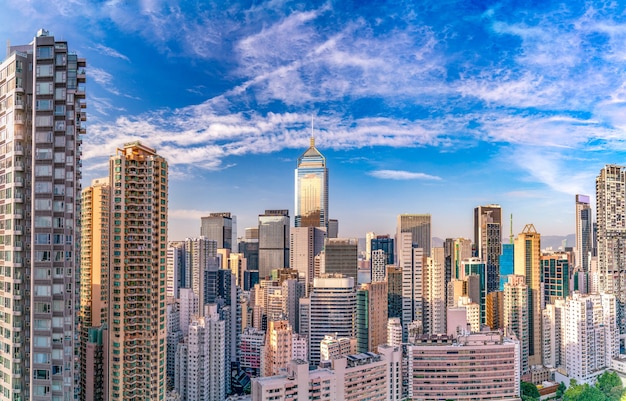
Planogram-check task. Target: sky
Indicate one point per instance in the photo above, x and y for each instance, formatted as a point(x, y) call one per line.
point(419, 106)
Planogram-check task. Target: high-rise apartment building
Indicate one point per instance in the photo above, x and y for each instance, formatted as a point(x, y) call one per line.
point(419, 227)
point(341, 256)
point(371, 316)
point(494, 310)
point(528, 264)
point(611, 217)
point(394, 291)
point(94, 280)
point(137, 326)
point(386, 244)
point(197, 255)
point(378, 265)
point(435, 299)
point(584, 232)
point(591, 335)
point(411, 260)
point(439, 367)
point(176, 272)
point(200, 373)
point(42, 92)
point(488, 241)
point(332, 310)
point(305, 243)
point(219, 228)
point(311, 189)
point(277, 351)
point(555, 270)
point(507, 263)
point(474, 272)
point(516, 317)
point(273, 241)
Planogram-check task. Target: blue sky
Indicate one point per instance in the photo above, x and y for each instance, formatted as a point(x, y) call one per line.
point(422, 107)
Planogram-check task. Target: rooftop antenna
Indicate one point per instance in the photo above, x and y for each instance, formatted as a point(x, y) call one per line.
point(312, 137)
point(511, 230)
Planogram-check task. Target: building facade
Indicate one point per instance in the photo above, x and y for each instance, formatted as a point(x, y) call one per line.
point(488, 241)
point(311, 189)
point(137, 324)
point(273, 241)
point(42, 92)
point(219, 228)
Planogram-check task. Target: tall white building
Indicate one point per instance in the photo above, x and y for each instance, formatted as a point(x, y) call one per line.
point(42, 92)
point(378, 265)
point(188, 308)
point(584, 232)
point(435, 305)
point(175, 268)
point(516, 296)
point(591, 335)
point(553, 334)
point(332, 310)
point(304, 244)
point(611, 218)
point(411, 261)
point(200, 373)
point(394, 331)
point(198, 253)
point(367, 376)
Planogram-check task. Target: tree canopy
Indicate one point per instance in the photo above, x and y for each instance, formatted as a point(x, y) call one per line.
point(608, 387)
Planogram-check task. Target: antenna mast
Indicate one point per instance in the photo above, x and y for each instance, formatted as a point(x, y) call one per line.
point(511, 230)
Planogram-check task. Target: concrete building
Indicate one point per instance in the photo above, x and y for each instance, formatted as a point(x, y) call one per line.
point(42, 115)
point(198, 254)
point(332, 310)
point(368, 376)
point(273, 241)
point(311, 189)
point(394, 331)
point(176, 272)
point(394, 291)
point(611, 236)
point(305, 243)
point(528, 264)
point(174, 337)
point(591, 335)
point(480, 366)
point(218, 227)
point(332, 347)
point(516, 294)
point(251, 351)
point(277, 351)
point(371, 316)
point(200, 373)
point(411, 261)
point(94, 280)
point(553, 334)
point(494, 310)
point(488, 241)
point(378, 265)
point(419, 227)
point(136, 318)
point(341, 256)
point(555, 270)
point(435, 299)
point(584, 232)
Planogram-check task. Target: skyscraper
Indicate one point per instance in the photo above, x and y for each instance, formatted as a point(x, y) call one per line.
point(611, 216)
point(311, 197)
point(411, 260)
point(176, 269)
point(198, 253)
point(371, 316)
point(435, 284)
point(332, 310)
point(218, 227)
point(488, 240)
point(41, 118)
point(555, 277)
point(584, 232)
point(94, 263)
point(419, 227)
point(273, 241)
point(516, 316)
point(527, 264)
point(137, 332)
point(305, 243)
point(341, 256)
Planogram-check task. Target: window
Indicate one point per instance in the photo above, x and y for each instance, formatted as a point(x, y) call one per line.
point(43, 154)
point(43, 88)
point(59, 125)
point(42, 274)
point(43, 187)
point(43, 221)
point(60, 76)
point(43, 104)
point(43, 137)
point(59, 94)
point(59, 110)
point(43, 291)
point(43, 171)
point(43, 121)
point(44, 70)
point(60, 59)
point(44, 52)
point(42, 239)
point(42, 256)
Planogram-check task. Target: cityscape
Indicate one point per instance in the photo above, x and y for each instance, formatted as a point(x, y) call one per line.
point(118, 286)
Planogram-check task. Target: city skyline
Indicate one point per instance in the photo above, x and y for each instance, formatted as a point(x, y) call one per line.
point(434, 108)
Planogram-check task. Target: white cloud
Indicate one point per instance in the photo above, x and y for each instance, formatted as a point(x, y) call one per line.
point(402, 175)
point(110, 52)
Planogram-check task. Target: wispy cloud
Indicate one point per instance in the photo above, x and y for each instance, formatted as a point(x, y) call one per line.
point(108, 51)
point(402, 175)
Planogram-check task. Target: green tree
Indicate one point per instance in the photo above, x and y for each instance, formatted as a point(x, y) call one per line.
point(561, 390)
point(583, 392)
point(529, 390)
point(610, 385)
